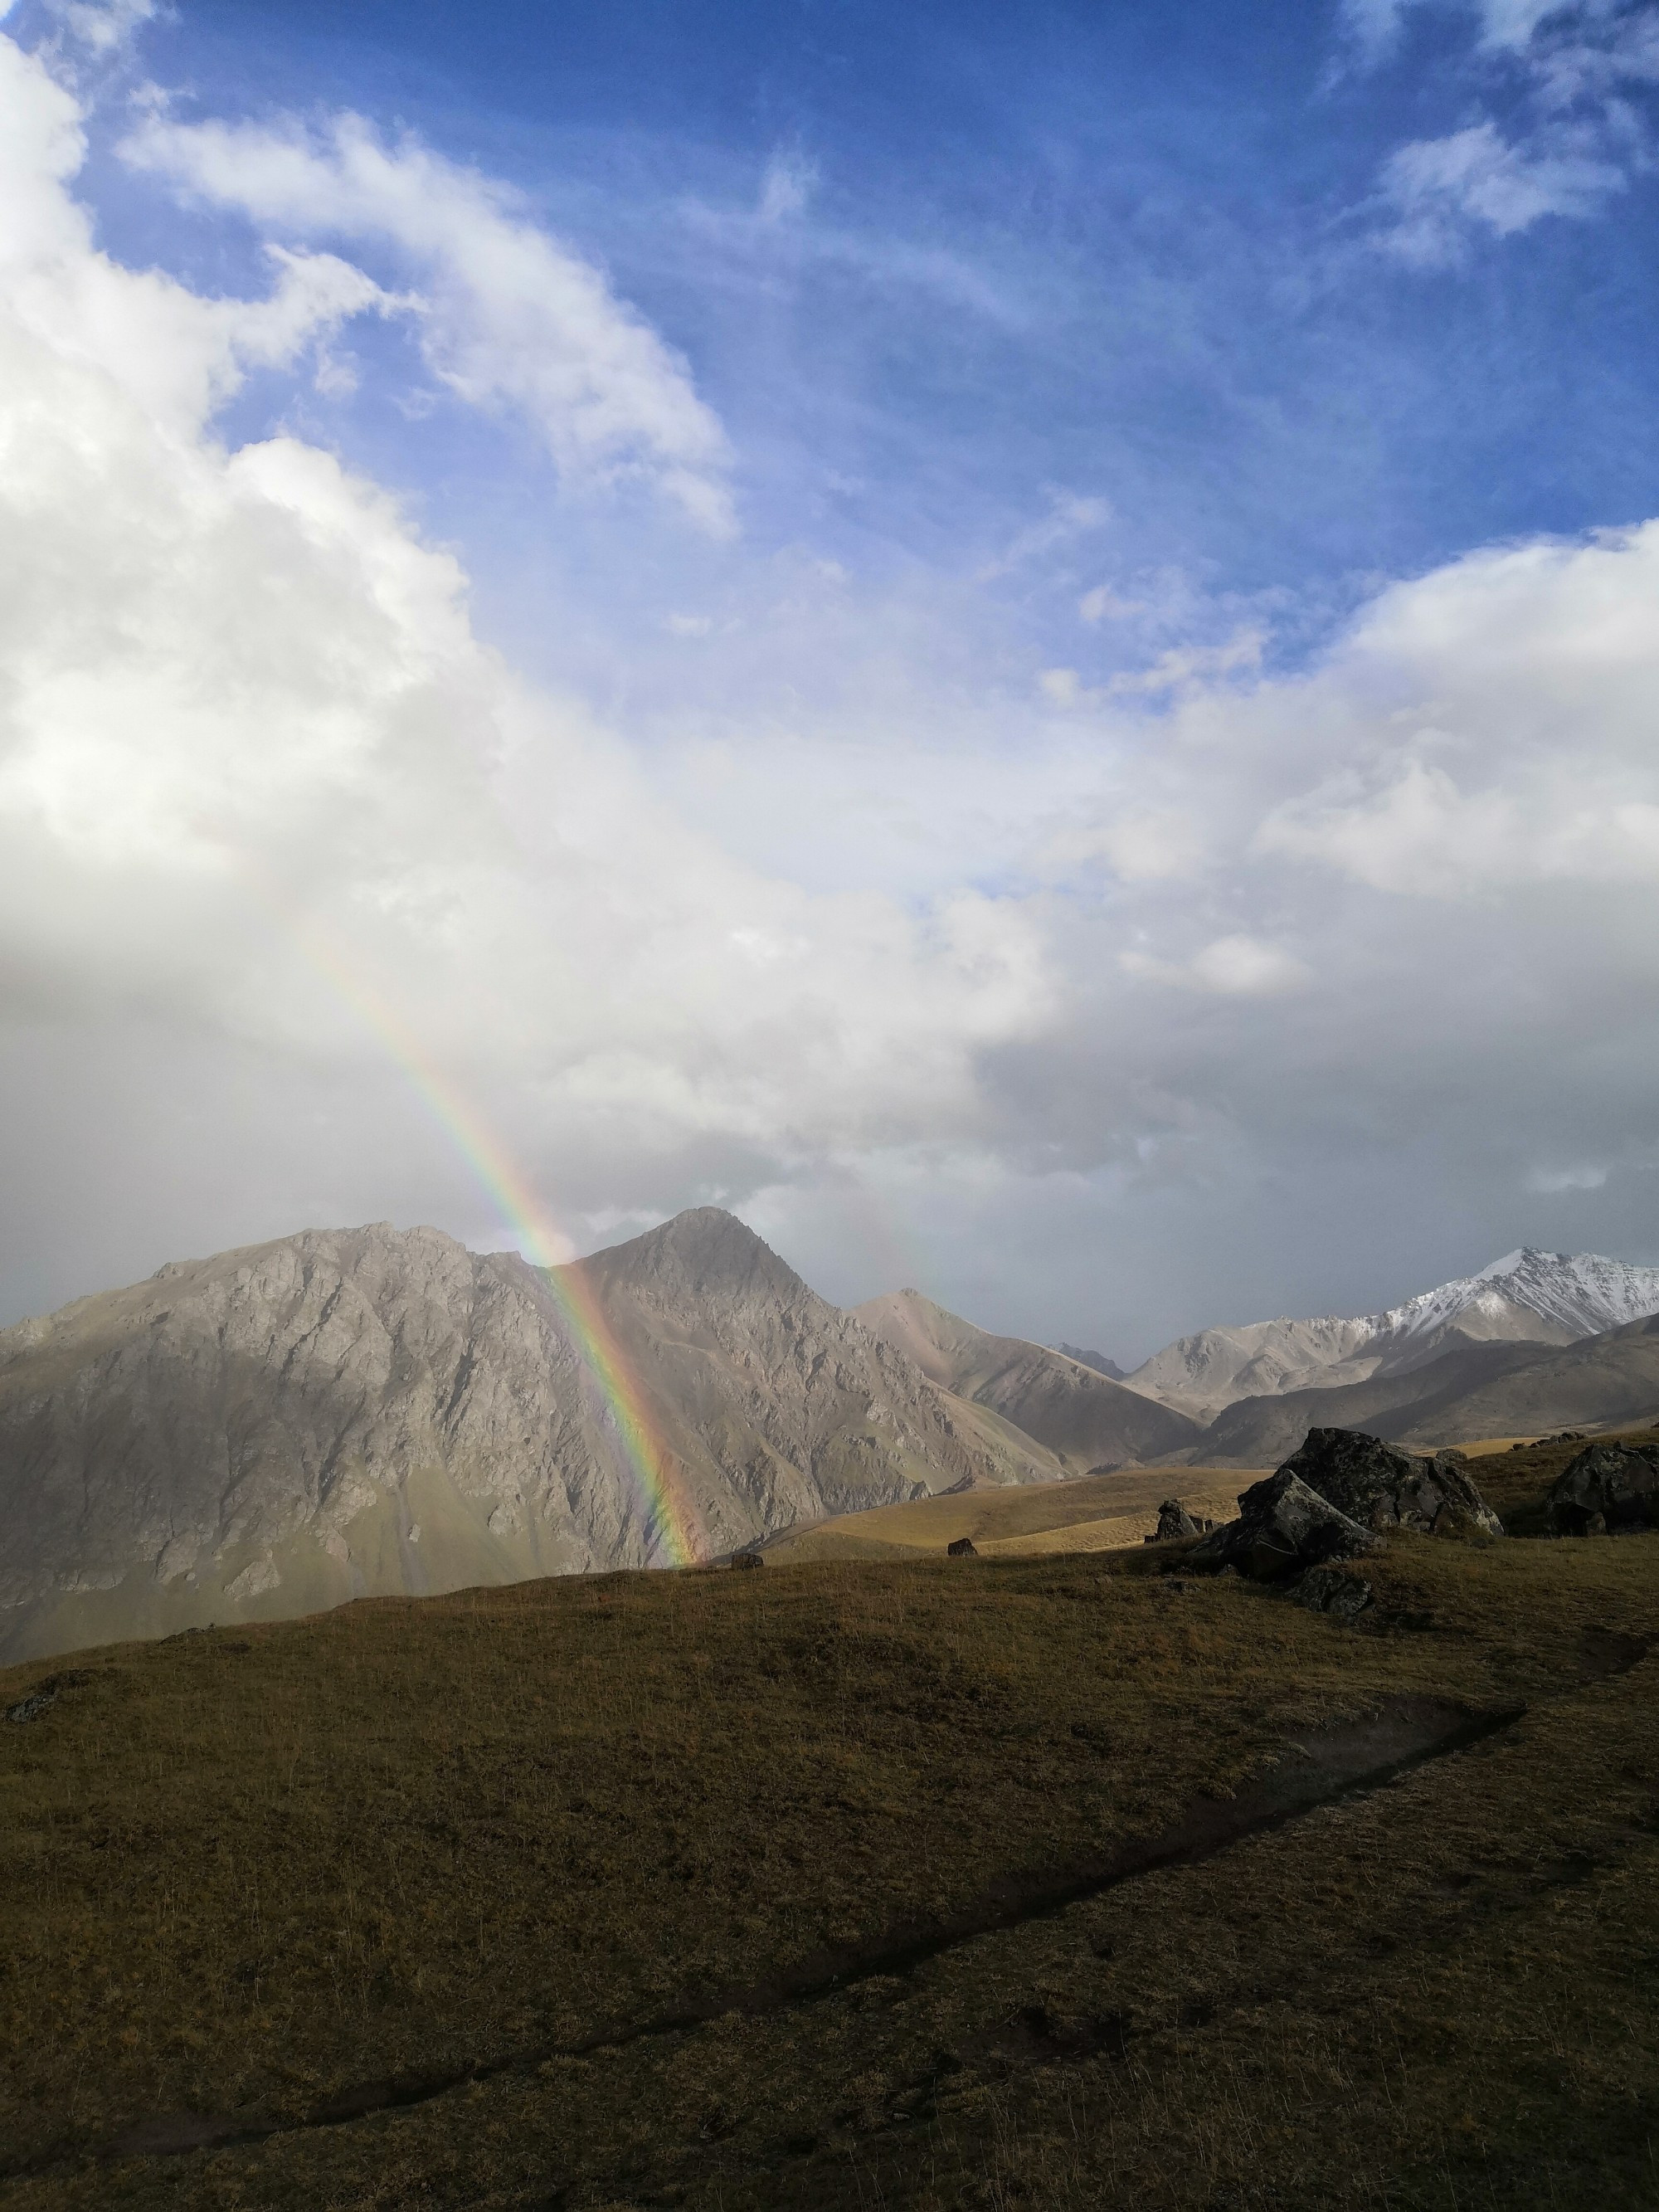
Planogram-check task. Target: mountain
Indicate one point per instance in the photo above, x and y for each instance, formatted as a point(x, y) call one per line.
point(1097, 1360)
point(1611, 1379)
point(1528, 1297)
point(373, 1411)
point(1084, 1418)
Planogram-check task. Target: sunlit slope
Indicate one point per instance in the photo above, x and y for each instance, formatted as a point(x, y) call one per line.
point(1084, 1418)
point(1086, 1513)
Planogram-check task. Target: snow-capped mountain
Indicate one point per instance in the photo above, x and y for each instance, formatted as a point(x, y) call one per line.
point(1528, 1297)
point(1580, 1293)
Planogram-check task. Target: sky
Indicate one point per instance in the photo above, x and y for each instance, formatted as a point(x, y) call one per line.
point(1020, 643)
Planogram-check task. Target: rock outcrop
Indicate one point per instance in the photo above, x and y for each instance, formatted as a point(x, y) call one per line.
point(1283, 1529)
point(373, 1411)
point(1606, 1490)
point(1174, 1522)
point(1334, 1590)
point(1380, 1486)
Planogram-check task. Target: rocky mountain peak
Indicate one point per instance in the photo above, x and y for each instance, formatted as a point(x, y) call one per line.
point(703, 1252)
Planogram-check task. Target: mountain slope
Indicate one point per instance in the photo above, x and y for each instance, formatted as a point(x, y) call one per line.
point(1084, 1418)
point(1528, 1297)
point(373, 1411)
point(1264, 1432)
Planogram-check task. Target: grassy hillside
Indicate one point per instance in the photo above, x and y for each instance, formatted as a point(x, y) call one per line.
point(1089, 1513)
point(841, 1885)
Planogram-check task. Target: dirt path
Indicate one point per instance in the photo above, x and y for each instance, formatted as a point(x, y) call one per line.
point(1316, 1769)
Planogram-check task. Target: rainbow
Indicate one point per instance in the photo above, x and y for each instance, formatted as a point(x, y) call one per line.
point(673, 1525)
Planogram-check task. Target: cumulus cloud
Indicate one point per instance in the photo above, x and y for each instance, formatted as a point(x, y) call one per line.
point(1213, 928)
point(257, 771)
point(508, 317)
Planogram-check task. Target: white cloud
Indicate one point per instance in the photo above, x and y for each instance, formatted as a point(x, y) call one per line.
point(1572, 143)
point(508, 317)
point(256, 769)
point(1220, 928)
point(787, 187)
point(102, 26)
point(1504, 25)
point(1440, 188)
point(1070, 517)
point(1102, 604)
point(1181, 666)
point(1551, 1182)
point(1538, 766)
point(1230, 967)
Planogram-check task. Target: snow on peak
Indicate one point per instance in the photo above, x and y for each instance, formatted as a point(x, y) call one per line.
point(1582, 1292)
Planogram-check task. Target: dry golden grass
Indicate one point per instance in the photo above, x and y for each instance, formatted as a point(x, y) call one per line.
point(999, 1520)
point(246, 1871)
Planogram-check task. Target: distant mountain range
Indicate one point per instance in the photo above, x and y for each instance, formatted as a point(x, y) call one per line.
point(1097, 1360)
point(375, 1411)
point(1527, 1297)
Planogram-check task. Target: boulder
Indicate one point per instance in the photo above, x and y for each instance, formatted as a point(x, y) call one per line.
point(1283, 1529)
point(1607, 1489)
point(1380, 1486)
point(747, 1559)
point(1173, 1521)
point(1334, 1590)
point(961, 1549)
point(44, 1695)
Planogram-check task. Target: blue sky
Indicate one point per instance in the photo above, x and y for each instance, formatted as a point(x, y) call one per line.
point(1154, 274)
point(1029, 505)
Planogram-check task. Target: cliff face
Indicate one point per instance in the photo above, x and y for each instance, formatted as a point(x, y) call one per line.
point(372, 1412)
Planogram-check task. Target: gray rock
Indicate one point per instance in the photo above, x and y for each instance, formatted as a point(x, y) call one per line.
point(1174, 1521)
point(1283, 1528)
point(749, 1559)
point(1380, 1486)
point(963, 1548)
point(1607, 1489)
point(1334, 1590)
point(44, 1695)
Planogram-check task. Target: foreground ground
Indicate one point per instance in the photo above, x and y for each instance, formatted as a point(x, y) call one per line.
point(1023, 1880)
